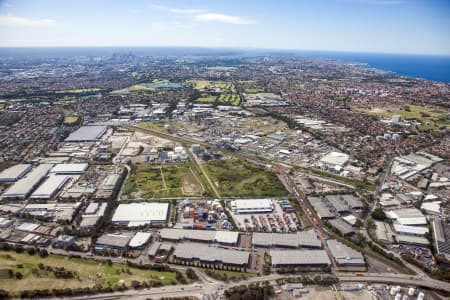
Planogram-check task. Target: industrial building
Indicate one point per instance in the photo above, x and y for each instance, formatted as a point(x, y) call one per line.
point(86, 134)
point(321, 209)
point(14, 173)
point(338, 203)
point(139, 240)
point(407, 216)
point(410, 230)
point(245, 206)
point(205, 236)
point(343, 227)
point(112, 241)
point(301, 239)
point(203, 253)
point(53, 211)
point(70, 169)
point(344, 256)
point(92, 214)
point(440, 237)
point(21, 189)
point(411, 240)
point(299, 258)
point(348, 199)
point(50, 187)
point(335, 159)
point(139, 214)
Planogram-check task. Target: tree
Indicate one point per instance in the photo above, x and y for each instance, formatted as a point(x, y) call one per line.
point(19, 275)
point(378, 214)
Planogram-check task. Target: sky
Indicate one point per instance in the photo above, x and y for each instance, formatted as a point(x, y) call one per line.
point(384, 26)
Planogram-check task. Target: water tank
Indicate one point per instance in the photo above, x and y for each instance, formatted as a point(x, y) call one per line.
point(420, 296)
point(405, 297)
point(393, 291)
point(398, 296)
point(411, 291)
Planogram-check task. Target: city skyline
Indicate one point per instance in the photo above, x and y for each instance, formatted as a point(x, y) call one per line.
point(377, 26)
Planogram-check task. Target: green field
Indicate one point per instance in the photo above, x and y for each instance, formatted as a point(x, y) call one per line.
point(169, 181)
point(253, 90)
point(430, 119)
point(2, 106)
point(219, 92)
point(88, 273)
point(78, 91)
point(240, 178)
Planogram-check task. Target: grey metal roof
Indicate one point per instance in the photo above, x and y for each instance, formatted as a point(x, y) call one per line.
point(322, 210)
point(294, 240)
point(344, 255)
point(86, 133)
point(15, 172)
point(337, 201)
point(208, 236)
point(24, 186)
point(342, 226)
point(299, 257)
point(206, 253)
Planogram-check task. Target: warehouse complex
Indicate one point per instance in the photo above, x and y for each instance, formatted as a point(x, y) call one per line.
point(192, 253)
point(50, 187)
point(138, 214)
point(70, 169)
point(344, 256)
point(301, 239)
point(245, 206)
point(21, 189)
point(204, 236)
point(86, 134)
point(299, 258)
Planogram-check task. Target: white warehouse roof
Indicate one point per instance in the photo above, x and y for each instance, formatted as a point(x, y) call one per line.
point(139, 239)
point(252, 205)
point(69, 168)
point(335, 159)
point(14, 173)
point(137, 214)
point(413, 230)
point(299, 257)
point(50, 187)
point(86, 133)
point(22, 188)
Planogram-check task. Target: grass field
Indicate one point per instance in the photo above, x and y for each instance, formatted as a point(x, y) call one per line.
point(253, 90)
point(70, 120)
point(78, 91)
point(227, 91)
point(2, 106)
point(240, 178)
point(430, 119)
point(88, 273)
point(152, 86)
point(169, 181)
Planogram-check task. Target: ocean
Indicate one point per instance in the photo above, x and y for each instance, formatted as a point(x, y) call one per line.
point(431, 67)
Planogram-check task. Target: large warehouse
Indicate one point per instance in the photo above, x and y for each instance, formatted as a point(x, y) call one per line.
point(86, 134)
point(304, 239)
point(299, 258)
point(70, 169)
point(407, 216)
point(344, 255)
point(244, 206)
point(205, 236)
point(203, 253)
point(50, 187)
point(23, 188)
point(14, 173)
point(138, 214)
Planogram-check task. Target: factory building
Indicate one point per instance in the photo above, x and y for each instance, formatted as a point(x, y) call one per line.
point(139, 240)
point(14, 173)
point(230, 238)
point(299, 258)
point(321, 209)
point(112, 241)
point(21, 189)
point(252, 206)
point(139, 214)
point(407, 216)
point(410, 230)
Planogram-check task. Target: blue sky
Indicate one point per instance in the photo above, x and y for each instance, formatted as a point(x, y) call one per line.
point(392, 26)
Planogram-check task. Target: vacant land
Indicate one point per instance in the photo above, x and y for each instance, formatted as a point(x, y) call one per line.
point(70, 120)
point(430, 119)
point(40, 273)
point(168, 181)
point(240, 178)
point(218, 92)
point(253, 90)
point(78, 91)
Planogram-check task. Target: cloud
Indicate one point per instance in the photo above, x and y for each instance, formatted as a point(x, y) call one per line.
point(21, 21)
point(187, 11)
point(213, 17)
